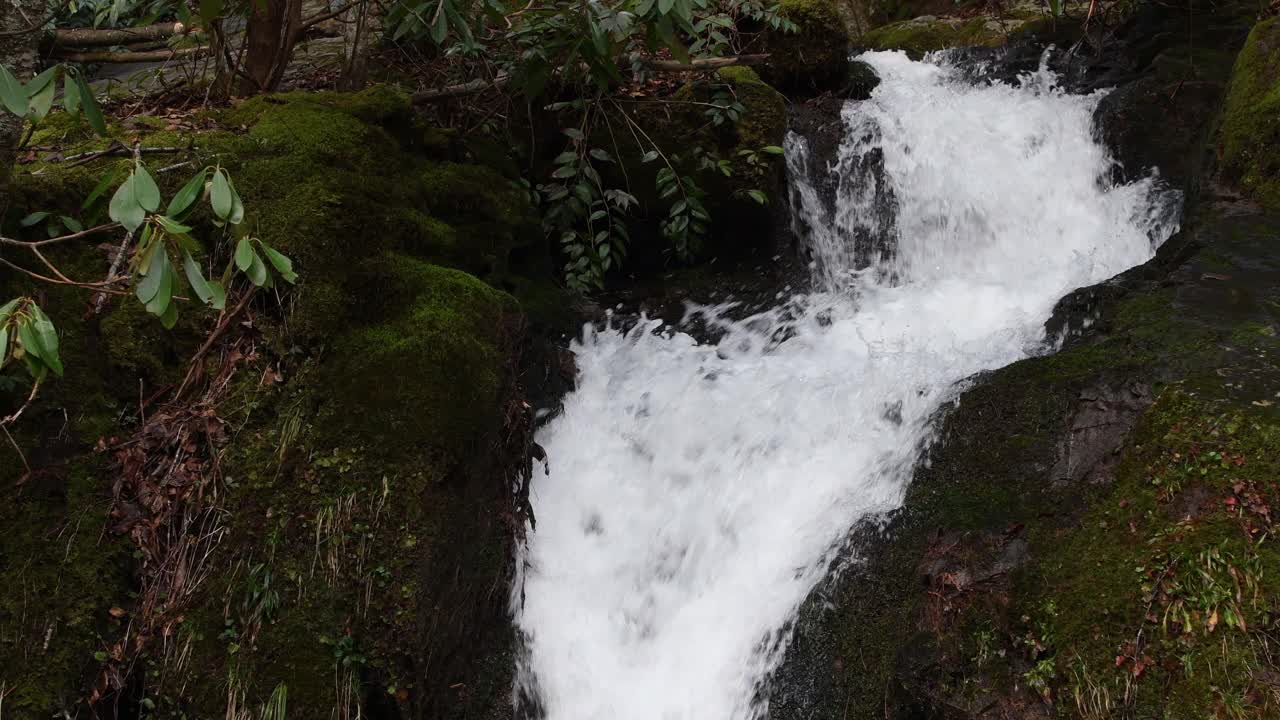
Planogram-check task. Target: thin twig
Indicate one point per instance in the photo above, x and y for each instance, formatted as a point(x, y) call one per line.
point(61, 238)
point(35, 387)
point(101, 299)
point(223, 324)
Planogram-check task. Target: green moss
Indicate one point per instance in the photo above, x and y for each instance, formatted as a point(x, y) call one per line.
point(926, 34)
point(62, 575)
point(1250, 132)
point(297, 183)
point(444, 336)
point(765, 121)
point(1171, 549)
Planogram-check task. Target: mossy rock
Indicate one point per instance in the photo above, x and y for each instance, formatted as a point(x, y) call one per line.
point(1250, 134)
point(816, 56)
point(430, 373)
point(379, 474)
point(928, 33)
point(332, 179)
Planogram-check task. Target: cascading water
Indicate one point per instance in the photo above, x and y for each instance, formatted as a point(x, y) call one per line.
point(699, 491)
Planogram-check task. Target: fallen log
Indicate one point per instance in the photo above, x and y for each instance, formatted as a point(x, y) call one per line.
point(125, 56)
point(93, 37)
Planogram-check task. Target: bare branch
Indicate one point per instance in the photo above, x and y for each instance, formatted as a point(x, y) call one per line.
point(61, 238)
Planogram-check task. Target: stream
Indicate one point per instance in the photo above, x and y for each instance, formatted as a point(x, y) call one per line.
point(698, 491)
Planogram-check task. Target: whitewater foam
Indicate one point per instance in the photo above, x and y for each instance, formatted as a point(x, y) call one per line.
point(698, 491)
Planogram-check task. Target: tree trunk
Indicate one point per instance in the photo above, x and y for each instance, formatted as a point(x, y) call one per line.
point(18, 53)
point(273, 29)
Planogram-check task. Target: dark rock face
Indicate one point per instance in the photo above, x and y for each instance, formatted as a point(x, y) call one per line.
point(1004, 587)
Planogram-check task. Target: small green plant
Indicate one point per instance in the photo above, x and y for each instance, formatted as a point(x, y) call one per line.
point(277, 706)
point(1040, 678)
point(28, 336)
point(346, 654)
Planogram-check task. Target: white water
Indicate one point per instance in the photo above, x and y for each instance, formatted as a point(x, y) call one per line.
point(697, 493)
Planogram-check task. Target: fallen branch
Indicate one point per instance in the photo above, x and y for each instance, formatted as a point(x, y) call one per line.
point(116, 150)
point(703, 64)
point(82, 37)
point(124, 56)
point(423, 97)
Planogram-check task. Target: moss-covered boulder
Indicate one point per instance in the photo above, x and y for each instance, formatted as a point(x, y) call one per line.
point(362, 512)
point(928, 33)
point(1250, 139)
point(334, 180)
point(816, 56)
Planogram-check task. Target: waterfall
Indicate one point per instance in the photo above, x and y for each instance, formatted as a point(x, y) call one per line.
point(698, 492)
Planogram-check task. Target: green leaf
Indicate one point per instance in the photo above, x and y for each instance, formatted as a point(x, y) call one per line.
point(124, 207)
point(150, 285)
point(145, 190)
point(12, 95)
point(237, 207)
point(33, 218)
point(92, 112)
point(42, 81)
point(244, 255)
point(48, 335)
point(170, 316)
point(4, 343)
point(772, 149)
point(257, 271)
point(759, 196)
point(70, 94)
point(7, 309)
point(30, 341)
point(280, 262)
point(41, 101)
point(104, 183)
point(219, 301)
point(187, 195)
point(664, 6)
point(186, 242)
point(196, 279)
point(574, 133)
point(650, 156)
point(72, 224)
point(220, 195)
point(601, 155)
point(171, 226)
point(163, 270)
point(439, 25)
